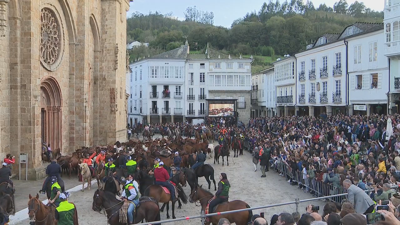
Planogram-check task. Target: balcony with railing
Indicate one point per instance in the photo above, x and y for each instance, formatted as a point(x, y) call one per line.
point(153, 111)
point(284, 99)
point(312, 99)
point(397, 83)
point(166, 111)
point(202, 97)
point(153, 94)
point(241, 105)
point(323, 98)
point(302, 99)
point(337, 70)
point(311, 75)
point(191, 112)
point(178, 111)
point(323, 73)
point(178, 95)
point(166, 94)
point(191, 97)
point(202, 112)
point(336, 97)
point(302, 76)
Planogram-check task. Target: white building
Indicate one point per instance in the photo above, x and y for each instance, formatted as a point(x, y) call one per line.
point(367, 69)
point(263, 94)
point(136, 44)
point(285, 85)
point(392, 51)
point(176, 86)
point(158, 87)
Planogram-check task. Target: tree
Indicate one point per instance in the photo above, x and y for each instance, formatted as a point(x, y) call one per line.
point(357, 9)
point(340, 7)
point(324, 8)
point(194, 15)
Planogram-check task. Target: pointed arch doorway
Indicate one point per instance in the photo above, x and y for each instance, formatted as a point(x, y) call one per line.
point(51, 113)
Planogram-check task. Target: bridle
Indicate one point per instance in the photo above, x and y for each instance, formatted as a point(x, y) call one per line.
point(199, 200)
point(105, 209)
point(36, 210)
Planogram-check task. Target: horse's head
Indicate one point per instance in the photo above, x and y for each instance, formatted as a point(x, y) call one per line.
point(33, 206)
point(97, 200)
point(182, 179)
point(194, 195)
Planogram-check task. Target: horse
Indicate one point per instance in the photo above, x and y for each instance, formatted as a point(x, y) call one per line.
point(42, 214)
point(206, 171)
point(158, 193)
point(239, 218)
point(148, 208)
point(221, 151)
point(110, 185)
point(86, 175)
point(6, 189)
point(237, 146)
point(144, 179)
point(48, 187)
point(178, 178)
point(100, 174)
point(147, 134)
point(7, 205)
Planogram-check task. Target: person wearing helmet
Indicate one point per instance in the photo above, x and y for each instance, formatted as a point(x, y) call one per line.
point(131, 165)
point(54, 169)
point(131, 194)
point(55, 192)
point(65, 212)
point(161, 176)
point(5, 174)
point(110, 166)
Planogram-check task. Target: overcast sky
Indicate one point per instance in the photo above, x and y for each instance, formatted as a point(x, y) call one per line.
point(225, 11)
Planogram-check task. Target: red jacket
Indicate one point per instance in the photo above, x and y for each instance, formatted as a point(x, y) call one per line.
point(89, 160)
point(161, 174)
point(9, 161)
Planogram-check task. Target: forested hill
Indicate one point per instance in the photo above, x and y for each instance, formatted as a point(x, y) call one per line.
point(276, 29)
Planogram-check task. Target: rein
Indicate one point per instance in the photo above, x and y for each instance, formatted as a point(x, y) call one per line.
point(38, 209)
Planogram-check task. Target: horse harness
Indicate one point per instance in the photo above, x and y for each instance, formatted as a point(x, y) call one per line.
point(35, 211)
point(105, 209)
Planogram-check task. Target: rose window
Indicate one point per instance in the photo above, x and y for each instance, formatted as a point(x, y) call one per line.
point(50, 44)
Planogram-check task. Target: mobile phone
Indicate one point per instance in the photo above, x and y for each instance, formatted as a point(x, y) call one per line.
point(374, 217)
point(382, 207)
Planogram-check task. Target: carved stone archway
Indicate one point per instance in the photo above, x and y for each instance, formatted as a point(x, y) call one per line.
point(51, 113)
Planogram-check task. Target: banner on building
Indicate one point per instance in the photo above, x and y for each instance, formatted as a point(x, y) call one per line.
point(360, 107)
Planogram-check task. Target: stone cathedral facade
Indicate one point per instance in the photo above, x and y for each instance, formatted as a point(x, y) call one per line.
point(62, 76)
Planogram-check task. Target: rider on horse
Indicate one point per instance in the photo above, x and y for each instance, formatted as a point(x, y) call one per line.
point(5, 174)
point(101, 158)
point(161, 176)
point(131, 195)
point(65, 211)
point(110, 166)
point(52, 170)
point(200, 158)
point(88, 161)
point(222, 193)
point(55, 192)
point(131, 165)
point(177, 161)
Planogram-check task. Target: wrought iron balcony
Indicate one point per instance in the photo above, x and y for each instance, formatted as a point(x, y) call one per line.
point(254, 95)
point(323, 73)
point(202, 97)
point(166, 111)
point(178, 95)
point(154, 111)
point(302, 76)
point(311, 75)
point(153, 94)
point(337, 70)
point(191, 97)
point(336, 97)
point(166, 94)
point(323, 98)
point(285, 99)
point(190, 112)
point(202, 112)
point(312, 99)
point(178, 111)
point(302, 99)
point(254, 87)
point(397, 83)
point(241, 105)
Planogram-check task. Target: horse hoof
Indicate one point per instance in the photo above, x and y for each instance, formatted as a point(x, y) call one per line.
point(173, 217)
point(167, 217)
point(162, 210)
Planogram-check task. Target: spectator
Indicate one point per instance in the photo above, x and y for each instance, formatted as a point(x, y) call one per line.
point(354, 219)
point(361, 201)
point(386, 194)
point(333, 219)
point(10, 160)
point(224, 221)
point(285, 219)
point(305, 219)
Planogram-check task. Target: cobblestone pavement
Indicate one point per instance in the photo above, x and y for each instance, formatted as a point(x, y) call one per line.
point(246, 185)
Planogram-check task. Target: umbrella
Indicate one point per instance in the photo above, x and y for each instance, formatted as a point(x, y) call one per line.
point(389, 129)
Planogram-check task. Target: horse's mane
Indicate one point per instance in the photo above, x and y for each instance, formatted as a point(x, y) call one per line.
point(110, 196)
point(207, 192)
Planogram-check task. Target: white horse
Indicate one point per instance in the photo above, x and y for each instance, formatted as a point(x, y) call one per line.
point(86, 175)
point(211, 146)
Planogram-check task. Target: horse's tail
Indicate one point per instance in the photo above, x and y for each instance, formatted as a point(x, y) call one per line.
point(212, 174)
point(182, 194)
point(250, 214)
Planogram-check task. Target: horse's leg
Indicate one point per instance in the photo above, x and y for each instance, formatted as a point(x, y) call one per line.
point(167, 209)
point(223, 160)
point(90, 182)
point(83, 184)
point(173, 209)
point(208, 181)
point(179, 204)
point(227, 160)
point(162, 207)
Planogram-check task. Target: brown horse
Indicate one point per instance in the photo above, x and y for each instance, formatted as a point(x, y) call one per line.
point(42, 214)
point(6, 189)
point(100, 174)
point(221, 151)
point(237, 146)
point(158, 193)
point(239, 218)
point(148, 208)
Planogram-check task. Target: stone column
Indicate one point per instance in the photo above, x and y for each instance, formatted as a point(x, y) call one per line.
point(296, 110)
point(278, 111)
point(350, 110)
point(328, 110)
point(285, 110)
point(310, 110)
point(368, 109)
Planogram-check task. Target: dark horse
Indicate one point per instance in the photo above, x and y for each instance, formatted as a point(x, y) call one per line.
point(237, 147)
point(239, 218)
point(206, 171)
point(158, 193)
point(7, 206)
point(48, 187)
point(148, 208)
point(7, 190)
point(221, 151)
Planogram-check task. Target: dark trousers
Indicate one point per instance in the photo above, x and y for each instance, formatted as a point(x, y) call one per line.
point(197, 165)
point(169, 186)
point(59, 180)
point(215, 202)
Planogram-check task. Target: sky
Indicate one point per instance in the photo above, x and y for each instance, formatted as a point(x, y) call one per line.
point(225, 11)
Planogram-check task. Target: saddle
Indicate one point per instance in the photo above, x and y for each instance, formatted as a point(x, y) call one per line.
point(207, 210)
point(168, 192)
point(147, 199)
point(123, 213)
point(165, 153)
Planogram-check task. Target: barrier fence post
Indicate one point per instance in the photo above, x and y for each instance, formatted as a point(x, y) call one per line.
point(297, 202)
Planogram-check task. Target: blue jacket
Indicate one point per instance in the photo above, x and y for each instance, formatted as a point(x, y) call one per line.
point(53, 169)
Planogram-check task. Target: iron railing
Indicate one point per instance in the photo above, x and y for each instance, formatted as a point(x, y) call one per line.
point(323, 73)
point(166, 111)
point(191, 97)
point(154, 111)
point(337, 70)
point(302, 76)
point(336, 97)
point(178, 95)
point(302, 99)
point(178, 111)
point(190, 112)
point(166, 94)
point(202, 112)
point(311, 75)
point(285, 99)
point(153, 94)
point(312, 99)
point(202, 97)
point(323, 98)
point(397, 83)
